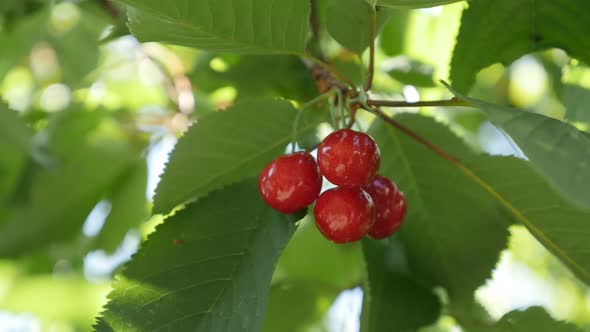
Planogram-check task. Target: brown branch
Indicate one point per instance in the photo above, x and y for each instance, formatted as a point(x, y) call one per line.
point(392, 103)
point(313, 20)
point(416, 136)
point(110, 8)
point(372, 36)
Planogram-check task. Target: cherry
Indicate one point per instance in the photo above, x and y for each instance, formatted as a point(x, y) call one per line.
point(349, 158)
point(390, 204)
point(290, 182)
point(344, 214)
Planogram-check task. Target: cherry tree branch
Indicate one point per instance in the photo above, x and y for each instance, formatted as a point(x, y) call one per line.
point(431, 103)
point(110, 8)
point(372, 36)
point(391, 121)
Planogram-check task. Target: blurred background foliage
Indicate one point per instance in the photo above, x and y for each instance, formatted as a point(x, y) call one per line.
point(88, 115)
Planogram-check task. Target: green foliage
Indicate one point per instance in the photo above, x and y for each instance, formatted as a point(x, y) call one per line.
point(82, 121)
point(128, 208)
point(208, 267)
point(557, 149)
point(20, 38)
point(543, 211)
point(229, 26)
point(412, 72)
point(225, 147)
point(334, 267)
point(576, 100)
point(297, 306)
point(447, 213)
point(533, 319)
point(501, 31)
point(349, 22)
point(13, 130)
point(414, 3)
point(393, 301)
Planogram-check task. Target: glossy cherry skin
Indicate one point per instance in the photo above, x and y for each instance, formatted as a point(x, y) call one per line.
point(290, 182)
point(390, 205)
point(344, 214)
point(349, 158)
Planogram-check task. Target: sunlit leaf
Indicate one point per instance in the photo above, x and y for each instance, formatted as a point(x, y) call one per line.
point(501, 31)
point(576, 100)
point(556, 149)
point(206, 268)
point(257, 26)
point(224, 147)
point(533, 319)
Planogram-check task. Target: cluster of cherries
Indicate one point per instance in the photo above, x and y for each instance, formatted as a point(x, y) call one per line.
point(363, 203)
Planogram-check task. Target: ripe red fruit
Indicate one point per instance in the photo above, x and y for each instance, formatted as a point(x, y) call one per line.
point(349, 158)
point(344, 214)
point(390, 204)
point(290, 182)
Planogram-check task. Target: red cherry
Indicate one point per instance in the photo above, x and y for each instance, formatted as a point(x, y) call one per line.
point(344, 214)
point(290, 182)
point(390, 204)
point(349, 158)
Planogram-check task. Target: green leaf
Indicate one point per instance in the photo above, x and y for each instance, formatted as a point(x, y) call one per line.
point(556, 149)
point(15, 138)
point(393, 35)
point(412, 72)
point(77, 49)
point(128, 208)
point(349, 22)
point(501, 31)
point(297, 306)
point(414, 3)
point(13, 130)
point(206, 268)
point(271, 73)
point(562, 228)
point(229, 26)
point(58, 198)
point(16, 42)
point(394, 301)
point(576, 100)
point(533, 319)
point(224, 147)
point(447, 211)
point(338, 267)
point(527, 196)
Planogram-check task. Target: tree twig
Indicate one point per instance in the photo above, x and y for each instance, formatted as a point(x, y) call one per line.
point(110, 8)
point(431, 103)
point(415, 136)
point(313, 20)
point(372, 36)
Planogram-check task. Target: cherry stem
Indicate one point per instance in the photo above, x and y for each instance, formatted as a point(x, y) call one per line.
point(372, 36)
point(416, 136)
point(300, 113)
point(431, 103)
